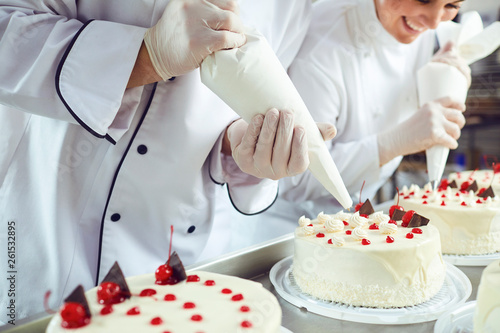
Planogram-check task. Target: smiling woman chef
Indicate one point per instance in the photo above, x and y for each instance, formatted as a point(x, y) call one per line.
point(96, 163)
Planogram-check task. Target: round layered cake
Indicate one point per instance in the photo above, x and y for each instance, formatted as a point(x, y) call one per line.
point(368, 260)
point(484, 178)
point(203, 302)
point(487, 312)
point(468, 218)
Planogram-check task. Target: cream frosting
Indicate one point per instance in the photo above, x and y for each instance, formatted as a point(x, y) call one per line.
point(468, 224)
point(219, 312)
point(404, 272)
point(487, 312)
point(334, 225)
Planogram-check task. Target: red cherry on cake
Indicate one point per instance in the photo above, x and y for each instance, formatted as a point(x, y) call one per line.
point(109, 293)
point(389, 239)
point(358, 206)
point(464, 186)
point(407, 217)
point(73, 315)
point(444, 184)
point(163, 273)
point(396, 206)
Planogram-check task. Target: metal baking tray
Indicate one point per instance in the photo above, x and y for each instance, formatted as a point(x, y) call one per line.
point(254, 263)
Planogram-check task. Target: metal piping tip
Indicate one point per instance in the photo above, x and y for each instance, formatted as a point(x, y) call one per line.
point(434, 184)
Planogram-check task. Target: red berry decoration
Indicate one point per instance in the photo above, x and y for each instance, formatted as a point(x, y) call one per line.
point(193, 278)
point(463, 203)
point(416, 230)
point(196, 318)
point(358, 206)
point(443, 203)
point(348, 232)
point(209, 283)
point(246, 324)
point(464, 186)
point(226, 291)
point(109, 293)
point(407, 217)
point(393, 222)
point(163, 273)
point(409, 235)
point(373, 226)
point(189, 305)
point(424, 203)
point(444, 184)
point(345, 223)
point(330, 241)
point(107, 309)
point(156, 321)
point(244, 308)
point(389, 239)
point(320, 235)
point(237, 297)
point(365, 241)
point(73, 315)
point(134, 311)
point(169, 297)
point(396, 206)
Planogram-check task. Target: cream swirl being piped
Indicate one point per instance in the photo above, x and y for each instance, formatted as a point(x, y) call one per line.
point(387, 228)
point(343, 216)
point(303, 221)
point(358, 233)
point(379, 217)
point(357, 220)
point(334, 225)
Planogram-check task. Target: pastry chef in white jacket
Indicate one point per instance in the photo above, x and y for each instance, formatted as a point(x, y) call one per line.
point(357, 69)
point(96, 164)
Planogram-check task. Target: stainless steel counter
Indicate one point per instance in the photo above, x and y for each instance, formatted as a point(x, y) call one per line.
point(255, 263)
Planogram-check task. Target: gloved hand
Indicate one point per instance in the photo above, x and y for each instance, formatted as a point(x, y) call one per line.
point(449, 55)
point(189, 31)
point(270, 146)
point(436, 123)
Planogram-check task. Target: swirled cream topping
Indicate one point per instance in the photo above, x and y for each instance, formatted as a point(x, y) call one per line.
point(334, 225)
point(359, 233)
point(343, 216)
point(322, 218)
point(338, 241)
point(388, 228)
point(308, 230)
point(303, 221)
point(379, 217)
point(357, 220)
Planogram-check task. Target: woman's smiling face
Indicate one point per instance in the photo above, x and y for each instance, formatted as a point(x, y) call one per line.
point(405, 20)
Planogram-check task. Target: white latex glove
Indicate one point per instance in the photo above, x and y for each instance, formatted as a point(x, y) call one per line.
point(189, 31)
point(449, 55)
point(270, 146)
point(436, 123)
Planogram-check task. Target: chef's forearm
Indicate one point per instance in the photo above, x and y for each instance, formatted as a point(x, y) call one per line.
point(143, 72)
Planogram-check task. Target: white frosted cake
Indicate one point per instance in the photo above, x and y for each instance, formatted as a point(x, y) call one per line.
point(468, 220)
point(487, 312)
point(367, 260)
point(203, 302)
point(484, 178)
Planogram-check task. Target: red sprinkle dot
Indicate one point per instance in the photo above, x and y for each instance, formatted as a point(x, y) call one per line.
point(210, 283)
point(416, 230)
point(345, 223)
point(156, 321)
point(406, 197)
point(320, 235)
point(409, 235)
point(374, 226)
point(193, 278)
point(189, 305)
point(393, 222)
point(424, 203)
point(226, 291)
point(424, 197)
point(389, 239)
point(246, 324)
point(134, 311)
point(330, 241)
point(348, 232)
point(237, 297)
point(443, 203)
point(196, 318)
point(169, 297)
point(244, 308)
point(365, 241)
point(457, 194)
point(147, 292)
point(310, 225)
point(443, 195)
point(463, 203)
point(478, 201)
point(107, 309)
point(364, 215)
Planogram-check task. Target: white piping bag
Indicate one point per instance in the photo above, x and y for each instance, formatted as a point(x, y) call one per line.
point(436, 80)
point(251, 80)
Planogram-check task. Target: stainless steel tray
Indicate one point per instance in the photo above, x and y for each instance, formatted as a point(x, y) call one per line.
point(254, 263)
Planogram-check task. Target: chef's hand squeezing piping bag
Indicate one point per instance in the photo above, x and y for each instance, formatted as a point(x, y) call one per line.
point(251, 80)
point(436, 80)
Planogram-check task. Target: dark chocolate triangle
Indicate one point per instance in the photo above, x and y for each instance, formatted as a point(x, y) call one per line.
point(366, 208)
point(453, 184)
point(487, 193)
point(418, 221)
point(178, 271)
point(398, 214)
point(115, 275)
point(78, 296)
point(472, 187)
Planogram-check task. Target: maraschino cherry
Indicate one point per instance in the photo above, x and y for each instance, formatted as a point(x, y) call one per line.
point(73, 315)
point(110, 293)
point(407, 217)
point(165, 271)
point(358, 206)
point(396, 206)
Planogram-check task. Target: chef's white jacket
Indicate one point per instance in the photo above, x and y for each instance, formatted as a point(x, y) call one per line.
point(92, 172)
point(351, 72)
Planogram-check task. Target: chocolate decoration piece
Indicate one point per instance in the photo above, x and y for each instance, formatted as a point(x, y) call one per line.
point(453, 184)
point(488, 193)
point(78, 296)
point(397, 215)
point(472, 187)
point(115, 275)
point(178, 271)
point(418, 221)
point(366, 208)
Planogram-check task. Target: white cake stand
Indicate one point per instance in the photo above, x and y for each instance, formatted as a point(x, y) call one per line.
point(456, 290)
point(471, 259)
point(458, 319)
